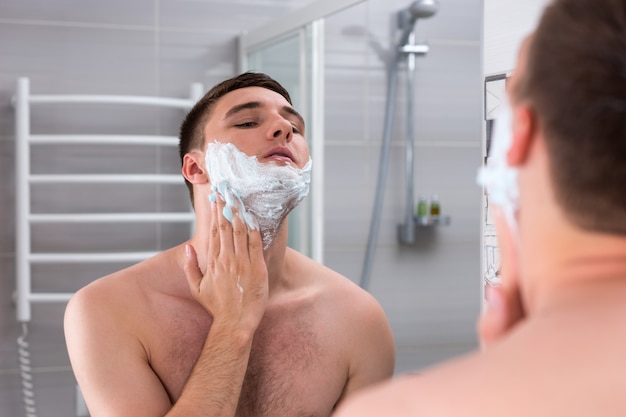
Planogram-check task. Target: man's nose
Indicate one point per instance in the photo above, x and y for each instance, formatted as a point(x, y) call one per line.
point(281, 129)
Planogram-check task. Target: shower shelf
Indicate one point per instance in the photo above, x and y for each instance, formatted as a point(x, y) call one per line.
point(421, 231)
point(431, 222)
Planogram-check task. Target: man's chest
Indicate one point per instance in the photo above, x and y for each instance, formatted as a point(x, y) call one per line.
point(294, 368)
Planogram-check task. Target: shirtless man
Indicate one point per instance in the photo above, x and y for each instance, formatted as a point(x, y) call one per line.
point(563, 240)
point(220, 326)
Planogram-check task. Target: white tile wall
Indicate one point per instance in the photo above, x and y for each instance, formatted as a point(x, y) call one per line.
point(158, 47)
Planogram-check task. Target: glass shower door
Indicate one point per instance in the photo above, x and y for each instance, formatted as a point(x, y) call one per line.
point(294, 60)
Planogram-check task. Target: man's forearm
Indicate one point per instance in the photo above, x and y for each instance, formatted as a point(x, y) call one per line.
point(214, 386)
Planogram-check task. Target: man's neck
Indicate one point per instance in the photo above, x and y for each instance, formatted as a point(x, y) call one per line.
point(274, 255)
point(567, 264)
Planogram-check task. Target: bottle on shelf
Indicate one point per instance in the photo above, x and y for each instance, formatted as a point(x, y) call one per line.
point(422, 210)
point(435, 208)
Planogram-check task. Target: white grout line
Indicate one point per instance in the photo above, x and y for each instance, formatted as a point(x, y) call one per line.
point(398, 144)
point(37, 370)
point(109, 26)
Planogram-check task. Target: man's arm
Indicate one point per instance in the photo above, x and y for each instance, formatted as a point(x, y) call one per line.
point(111, 363)
point(371, 345)
point(505, 307)
point(108, 359)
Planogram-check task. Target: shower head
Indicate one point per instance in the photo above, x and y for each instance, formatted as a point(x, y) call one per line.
point(420, 9)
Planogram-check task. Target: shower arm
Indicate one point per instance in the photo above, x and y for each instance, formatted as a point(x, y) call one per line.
point(404, 49)
point(406, 23)
point(411, 50)
point(409, 148)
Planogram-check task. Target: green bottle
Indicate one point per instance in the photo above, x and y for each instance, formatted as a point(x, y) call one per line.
point(422, 210)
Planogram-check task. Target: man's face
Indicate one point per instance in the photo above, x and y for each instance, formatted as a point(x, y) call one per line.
point(261, 123)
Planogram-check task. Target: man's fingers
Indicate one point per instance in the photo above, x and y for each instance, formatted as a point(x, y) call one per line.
point(492, 323)
point(224, 218)
point(504, 310)
point(255, 246)
point(214, 230)
point(240, 236)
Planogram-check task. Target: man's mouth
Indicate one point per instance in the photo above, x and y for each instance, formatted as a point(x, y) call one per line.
point(280, 154)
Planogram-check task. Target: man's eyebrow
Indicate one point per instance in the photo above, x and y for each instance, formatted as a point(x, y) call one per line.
point(240, 107)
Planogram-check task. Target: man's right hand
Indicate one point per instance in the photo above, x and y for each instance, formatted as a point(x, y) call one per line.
point(505, 306)
point(504, 310)
point(234, 286)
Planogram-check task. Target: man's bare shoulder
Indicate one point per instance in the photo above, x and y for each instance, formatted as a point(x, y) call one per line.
point(357, 323)
point(331, 284)
point(129, 288)
point(447, 390)
point(539, 368)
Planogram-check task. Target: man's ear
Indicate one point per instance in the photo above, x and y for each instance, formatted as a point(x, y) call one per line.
point(524, 131)
point(193, 168)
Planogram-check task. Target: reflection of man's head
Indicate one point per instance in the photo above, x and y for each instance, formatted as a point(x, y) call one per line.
point(572, 75)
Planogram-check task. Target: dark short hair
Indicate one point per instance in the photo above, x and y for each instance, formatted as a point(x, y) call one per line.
point(191, 134)
point(575, 80)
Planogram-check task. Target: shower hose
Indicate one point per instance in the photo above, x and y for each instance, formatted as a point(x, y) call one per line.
point(26, 373)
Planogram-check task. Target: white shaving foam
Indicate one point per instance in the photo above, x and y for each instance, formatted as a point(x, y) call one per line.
point(497, 175)
point(263, 194)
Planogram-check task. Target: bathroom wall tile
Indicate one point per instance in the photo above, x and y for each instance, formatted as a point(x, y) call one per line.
point(8, 330)
point(11, 402)
point(113, 12)
point(218, 16)
point(98, 198)
point(55, 392)
point(168, 159)
point(348, 261)
point(448, 172)
point(432, 297)
point(7, 191)
point(191, 57)
point(428, 299)
point(349, 195)
point(70, 277)
point(411, 359)
point(10, 384)
point(76, 60)
point(115, 237)
point(52, 376)
point(350, 22)
point(447, 87)
point(93, 159)
point(345, 106)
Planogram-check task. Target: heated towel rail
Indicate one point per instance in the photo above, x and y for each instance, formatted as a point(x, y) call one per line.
point(25, 178)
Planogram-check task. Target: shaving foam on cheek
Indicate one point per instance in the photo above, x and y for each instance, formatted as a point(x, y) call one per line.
point(263, 194)
point(497, 176)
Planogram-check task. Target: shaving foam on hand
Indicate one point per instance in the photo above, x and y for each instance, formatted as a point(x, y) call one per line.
point(263, 194)
point(497, 176)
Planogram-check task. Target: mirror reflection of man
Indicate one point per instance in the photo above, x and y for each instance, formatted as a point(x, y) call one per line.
point(218, 326)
